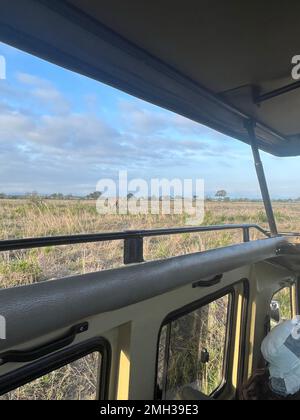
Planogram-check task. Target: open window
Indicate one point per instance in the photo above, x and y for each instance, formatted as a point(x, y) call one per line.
point(193, 350)
point(77, 373)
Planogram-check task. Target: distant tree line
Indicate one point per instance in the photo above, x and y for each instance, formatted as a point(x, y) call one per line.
point(220, 195)
point(55, 196)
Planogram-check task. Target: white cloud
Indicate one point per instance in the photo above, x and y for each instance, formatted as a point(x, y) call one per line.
point(13, 126)
point(44, 143)
point(45, 92)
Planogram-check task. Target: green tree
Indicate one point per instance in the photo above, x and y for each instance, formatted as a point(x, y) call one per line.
point(56, 196)
point(94, 196)
point(221, 194)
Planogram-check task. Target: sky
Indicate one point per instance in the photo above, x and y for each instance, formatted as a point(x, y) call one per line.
point(62, 132)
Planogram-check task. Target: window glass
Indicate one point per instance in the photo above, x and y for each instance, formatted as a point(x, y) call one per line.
point(281, 305)
point(192, 350)
point(75, 381)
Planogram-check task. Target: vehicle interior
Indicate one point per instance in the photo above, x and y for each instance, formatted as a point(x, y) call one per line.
point(226, 65)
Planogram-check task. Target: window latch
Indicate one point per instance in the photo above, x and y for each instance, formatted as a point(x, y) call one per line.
point(205, 357)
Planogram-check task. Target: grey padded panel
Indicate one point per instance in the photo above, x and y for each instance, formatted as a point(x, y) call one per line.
point(35, 310)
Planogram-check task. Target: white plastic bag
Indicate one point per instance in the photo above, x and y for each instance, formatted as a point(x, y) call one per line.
point(281, 349)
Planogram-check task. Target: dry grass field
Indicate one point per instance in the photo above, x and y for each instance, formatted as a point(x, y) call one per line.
point(32, 218)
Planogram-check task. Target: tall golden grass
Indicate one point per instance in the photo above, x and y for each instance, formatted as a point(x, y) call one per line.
point(32, 218)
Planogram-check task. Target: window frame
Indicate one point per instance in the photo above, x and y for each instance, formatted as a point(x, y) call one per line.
point(32, 371)
point(297, 295)
point(178, 313)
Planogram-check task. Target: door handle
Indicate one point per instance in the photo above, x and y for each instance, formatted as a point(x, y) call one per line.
point(37, 353)
point(209, 283)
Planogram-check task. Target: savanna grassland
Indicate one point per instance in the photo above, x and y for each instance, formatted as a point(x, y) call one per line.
point(36, 217)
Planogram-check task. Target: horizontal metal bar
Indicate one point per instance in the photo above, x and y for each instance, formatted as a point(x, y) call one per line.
point(29, 243)
point(289, 234)
point(277, 92)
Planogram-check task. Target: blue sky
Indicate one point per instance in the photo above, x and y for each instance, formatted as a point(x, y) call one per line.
point(62, 132)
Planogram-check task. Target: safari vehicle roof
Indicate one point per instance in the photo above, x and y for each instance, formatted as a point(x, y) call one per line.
point(208, 60)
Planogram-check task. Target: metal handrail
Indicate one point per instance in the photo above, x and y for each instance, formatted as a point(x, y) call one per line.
point(288, 233)
point(133, 240)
